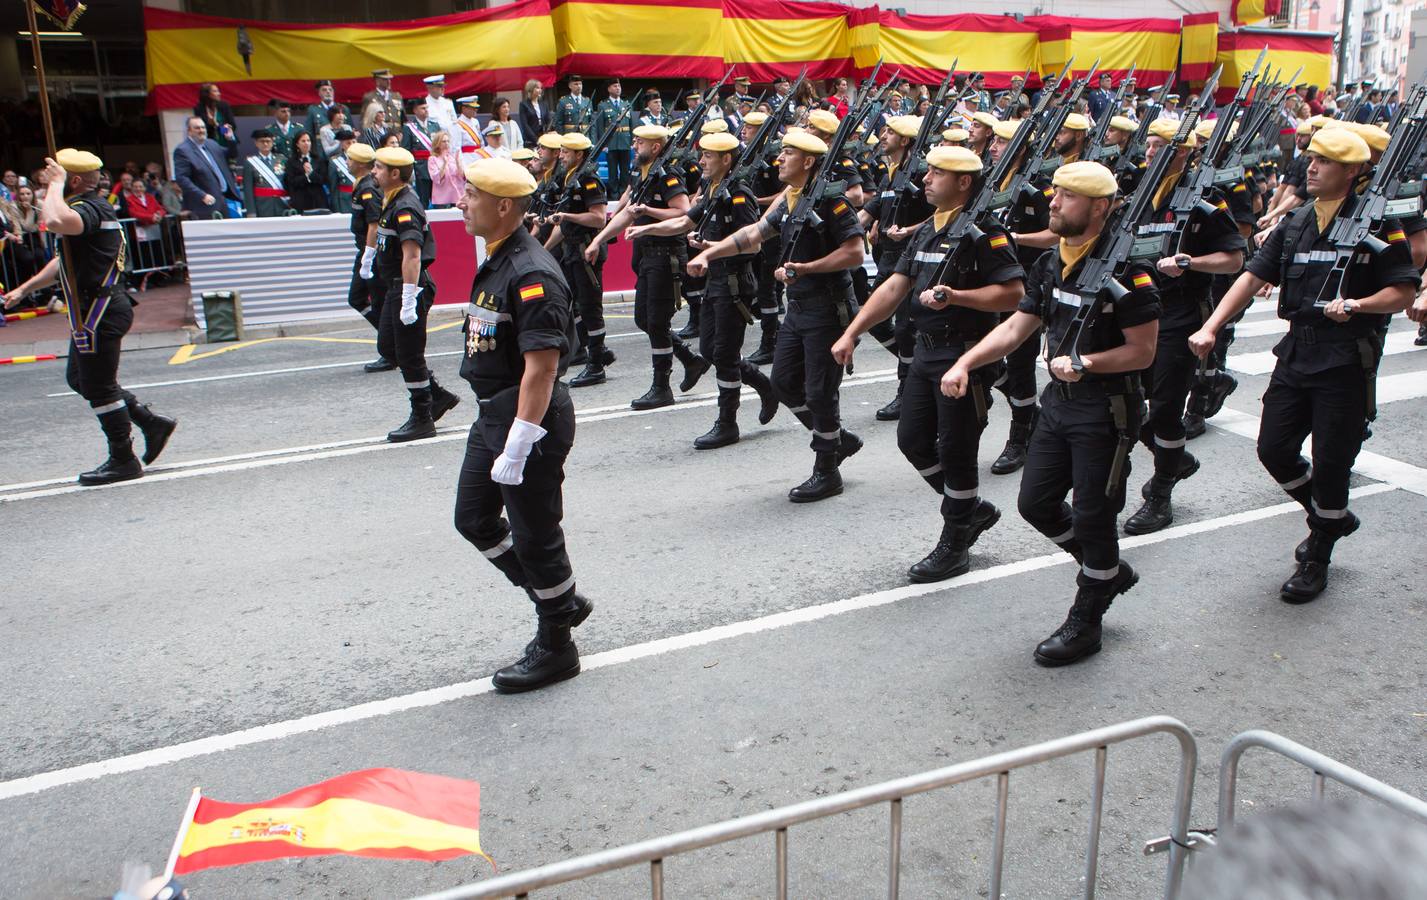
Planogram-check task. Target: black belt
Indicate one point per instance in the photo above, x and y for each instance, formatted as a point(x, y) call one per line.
point(946, 338)
point(1108, 387)
point(1315, 334)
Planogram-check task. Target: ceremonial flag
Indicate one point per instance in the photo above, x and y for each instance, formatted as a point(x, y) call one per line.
point(385, 813)
point(1152, 45)
point(480, 52)
point(767, 38)
point(1198, 46)
point(63, 13)
point(639, 38)
point(1287, 50)
point(924, 46)
point(1249, 12)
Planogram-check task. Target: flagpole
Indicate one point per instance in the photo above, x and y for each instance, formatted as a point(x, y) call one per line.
point(182, 833)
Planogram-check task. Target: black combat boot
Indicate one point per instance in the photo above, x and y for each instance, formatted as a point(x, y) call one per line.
point(847, 445)
point(1188, 465)
point(1193, 424)
point(1350, 524)
point(893, 410)
point(982, 518)
point(1311, 576)
point(1013, 457)
point(442, 401)
point(419, 424)
point(550, 658)
point(1079, 636)
point(591, 374)
point(725, 429)
point(826, 481)
point(1157, 511)
point(157, 429)
point(691, 327)
point(380, 364)
point(122, 464)
point(764, 354)
point(658, 394)
point(949, 558)
point(694, 366)
point(1219, 390)
point(767, 400)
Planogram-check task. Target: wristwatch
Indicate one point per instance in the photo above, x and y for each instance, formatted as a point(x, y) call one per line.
point(1350, 307)
point(1183, 261)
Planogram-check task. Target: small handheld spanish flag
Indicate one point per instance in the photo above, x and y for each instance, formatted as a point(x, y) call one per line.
point(383, 813)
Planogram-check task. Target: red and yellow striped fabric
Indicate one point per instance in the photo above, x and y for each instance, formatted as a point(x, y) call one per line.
point(1198, 46)
point(1150, 44)
point(385, 813)
point(1287, 50)
point(481, 51)
point(924, 46)
point(639, 38)
point(766, 38)
point(1252, 12)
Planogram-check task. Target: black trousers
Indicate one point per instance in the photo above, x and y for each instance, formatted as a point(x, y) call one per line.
point(406, 344)
point(527, 543)
point(805, 376)
point(897, 335)
point(587, 294)
point(1331, 406)
point(95, 376)
point(1018, 381)
point(618, 161)
point(656, 297)
point(721, 332)
point(1167, 382)
point(1072, 451)
point(365, 294)
point(940, 436)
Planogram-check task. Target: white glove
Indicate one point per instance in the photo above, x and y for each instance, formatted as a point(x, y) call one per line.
point(409, 293)
point(369, 255)
point(509, 467)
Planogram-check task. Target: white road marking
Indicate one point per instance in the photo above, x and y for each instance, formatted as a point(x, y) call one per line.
point(1263, 363)
point(275, 731)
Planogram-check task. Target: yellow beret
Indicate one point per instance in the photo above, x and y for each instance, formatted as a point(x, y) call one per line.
point(1319, 121)
point(802, 140)
point(522, 154)
point(395, 156)
point(905, 126)
point(871, 140)
point(1006, 130)
point(1304, 128)
point(719, 142)
point(956, 135)
point(1076, 122)
point(652, 132)
point(1166, 129)
point(954, 159)
point(1340, 145)
point(985, 118)
point(1205, 128)
point(78, 162)
point(823, 120)
point(550, 141)
point(1375, 136)
point(501, 177)
point(714, 126)
point(1121, 123)
point(755, 118)
point(574, 141)
point(359, 152)
point(1088, 179)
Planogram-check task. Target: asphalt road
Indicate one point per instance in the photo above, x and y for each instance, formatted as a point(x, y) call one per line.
point(283, 562)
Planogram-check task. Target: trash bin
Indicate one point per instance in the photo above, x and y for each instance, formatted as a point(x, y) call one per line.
point(223, 315)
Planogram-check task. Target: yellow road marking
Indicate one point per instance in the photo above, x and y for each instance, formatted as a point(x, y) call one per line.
point(190, 353)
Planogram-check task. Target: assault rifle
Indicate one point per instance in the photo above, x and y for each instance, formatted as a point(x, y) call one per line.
point(1095, 149)
point(1037, 160)
point(1135, 146)
point(640, 193)
point(914, 154)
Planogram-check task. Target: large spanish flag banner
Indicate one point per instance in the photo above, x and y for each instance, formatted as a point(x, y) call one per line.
point(1150, 44)
point(924, 47)
point(385, 813)
point(639, 38)
point(1287, 50)
point(767, 38)
point(253, 61)
point(1198, 46)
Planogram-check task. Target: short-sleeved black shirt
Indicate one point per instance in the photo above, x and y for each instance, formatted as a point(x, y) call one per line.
point(1205, 233)
point(97, 254)
point(519, 303)
point(733, 207)
point(912, 210)
point(403, 218)
point(366, 207)
point(838, 223)
point(990, 260)
point(664, 186)
point(580, 195)
point(1030, 213)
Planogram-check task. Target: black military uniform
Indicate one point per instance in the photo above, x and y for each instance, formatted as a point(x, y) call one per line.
point(1185, 307)
point(548, 188)
point(100, 314)
point(520, 304)
point(765, 183)
point(658, 266)
point(1026, 214)
point(730, 291)
point(1323, 383)
point(1082, 443)
point(402, 219)
point(913, 209)
point(364, 295)
point(940, 436)
point(586, 281)
point(692, 286)
point(805, 375)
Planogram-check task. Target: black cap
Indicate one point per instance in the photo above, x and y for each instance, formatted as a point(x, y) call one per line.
point(570, 78)
point(614, 80)
point(262, 133)
point(279, 104)
point(782, 79)
point(415, 102)
point(321, 84)
point(653, 94)
point(344, 134)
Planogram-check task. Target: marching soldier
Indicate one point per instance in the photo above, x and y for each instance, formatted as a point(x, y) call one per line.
point(416, 139)
point(263, 193)
point(365, 294)
point(729, 286)
point(823, 124)
point(1211, 245)
point(616, 113)
point(549, 181)
point(573, 112)
point(767, 187)
point(466, 139)
point(693, 287)
point(955, 137)
point(283, 129)
point(581, 215)
point(939, 435)
point(980, 130)
point(404, 251)
point(1323, 382)
point(92, 251)
point(658, 262)
point(382, 92)
point(518, 338)
point(1070, 141)
point(340, 180)
point(1089, 414)
point(805, 375)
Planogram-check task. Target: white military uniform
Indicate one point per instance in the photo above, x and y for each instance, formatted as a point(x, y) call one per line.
point(440, 109)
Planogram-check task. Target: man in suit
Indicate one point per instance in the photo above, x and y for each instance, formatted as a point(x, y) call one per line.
point(390, 99)
point(319, 112)
point(205, 180)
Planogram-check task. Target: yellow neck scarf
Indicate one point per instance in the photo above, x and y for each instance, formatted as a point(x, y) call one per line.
point(390, 195)
point(940, 218)
point(1325, 210)
point(1166, 186)
point(1071, 255)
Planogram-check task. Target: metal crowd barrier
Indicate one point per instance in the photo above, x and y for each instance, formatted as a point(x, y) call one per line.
point(154, 248)
point(653, 852)
point(13, 268)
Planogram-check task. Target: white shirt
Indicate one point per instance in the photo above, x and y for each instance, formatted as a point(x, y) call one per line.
point(442, 111)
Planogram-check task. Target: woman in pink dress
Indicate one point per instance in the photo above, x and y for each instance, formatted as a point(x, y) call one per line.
point(447, 179)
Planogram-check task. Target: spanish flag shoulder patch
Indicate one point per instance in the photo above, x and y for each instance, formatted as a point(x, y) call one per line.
point(367, 195)
point(998, 241)
point(839, 207)
point(403, 217)
point(1143, 280)
point(1240, 188)
point(532, 292)
point(1221, 205)
point(589, 186)
point(740, 200)
point(1396, 236)
point(671, 181)
point(1049, 192)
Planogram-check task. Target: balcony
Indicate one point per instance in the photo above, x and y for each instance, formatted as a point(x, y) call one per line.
point(1369, 38)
